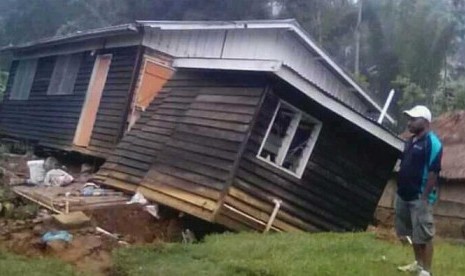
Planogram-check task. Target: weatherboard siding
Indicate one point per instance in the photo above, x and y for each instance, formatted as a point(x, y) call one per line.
point(338, 191)
point(182, 150)
point(51, 120)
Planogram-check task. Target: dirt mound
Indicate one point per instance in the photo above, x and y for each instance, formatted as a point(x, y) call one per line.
point(135, 225)
point(89, 250)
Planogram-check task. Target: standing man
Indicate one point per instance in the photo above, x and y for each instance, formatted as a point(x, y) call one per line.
point(417, 189)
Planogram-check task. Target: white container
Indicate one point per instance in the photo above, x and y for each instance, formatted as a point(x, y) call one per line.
point(36, 171)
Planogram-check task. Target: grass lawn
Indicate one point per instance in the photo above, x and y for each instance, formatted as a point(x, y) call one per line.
point(15, 265)
point(283, 254)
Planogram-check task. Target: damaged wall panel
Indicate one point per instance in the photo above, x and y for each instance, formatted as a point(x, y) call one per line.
point(338, 191)
point(191, 135)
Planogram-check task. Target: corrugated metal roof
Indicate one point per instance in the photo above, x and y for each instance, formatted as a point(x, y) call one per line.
point(287, 24)
point(74, 37)
point(293, 48)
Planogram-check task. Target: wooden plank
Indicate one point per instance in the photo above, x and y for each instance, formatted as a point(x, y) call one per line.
point(211, 132)
point(220, 116)
point(180, 194)
point(201, 149)
point(304, 205)
point(228, 99)
point(193, 167)
point(188, 176)
point(303, 209)
point(215, 124)
point(199, 158)
point(154, 176)
point(121, 185)
point(231, 223)
point(212, 142)
point(248, 222)
point(175, 203)
point(261, 215)
point(229, 108)
point(237, 193)
point(120, 173)
point(143, 157)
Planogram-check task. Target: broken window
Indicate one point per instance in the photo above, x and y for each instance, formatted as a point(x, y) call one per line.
point(23, 79)
point(290, 139)
point(64, 74)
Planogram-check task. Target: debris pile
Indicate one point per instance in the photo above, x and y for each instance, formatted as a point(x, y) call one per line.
point(49, 209)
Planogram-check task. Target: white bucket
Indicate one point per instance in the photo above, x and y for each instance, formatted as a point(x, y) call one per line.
point(36, 171)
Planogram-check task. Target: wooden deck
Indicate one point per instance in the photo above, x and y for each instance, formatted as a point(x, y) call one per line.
point(53, 198)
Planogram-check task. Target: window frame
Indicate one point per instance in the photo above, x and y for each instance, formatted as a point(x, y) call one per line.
point(306, 154)
point(22, 81)
point(57, 78)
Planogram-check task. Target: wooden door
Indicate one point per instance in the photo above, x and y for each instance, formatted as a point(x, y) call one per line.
point(153, 79)
point(92, 101)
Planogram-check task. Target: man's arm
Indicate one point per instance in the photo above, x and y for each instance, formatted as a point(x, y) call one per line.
point(434, 167)
point(430, 184)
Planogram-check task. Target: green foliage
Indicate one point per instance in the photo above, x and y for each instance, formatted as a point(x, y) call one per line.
point(281, 254)
point(450, 96)
point(398, 37)
point(411, 93)
point(15, 265)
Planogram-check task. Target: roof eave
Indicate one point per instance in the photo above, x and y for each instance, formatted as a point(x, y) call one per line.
point(76, 37)
point(290, 24)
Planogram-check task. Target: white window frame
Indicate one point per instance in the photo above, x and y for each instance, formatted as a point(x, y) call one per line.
point(23, 79)
point(59, 85)
point(291, 131)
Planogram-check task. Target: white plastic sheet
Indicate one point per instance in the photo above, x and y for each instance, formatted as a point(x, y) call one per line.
point(57, 178)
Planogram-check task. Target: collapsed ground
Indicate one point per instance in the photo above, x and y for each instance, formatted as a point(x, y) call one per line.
point(141, 244)
point(24, 223)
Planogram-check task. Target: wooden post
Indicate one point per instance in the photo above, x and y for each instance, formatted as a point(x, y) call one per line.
point(277, 205)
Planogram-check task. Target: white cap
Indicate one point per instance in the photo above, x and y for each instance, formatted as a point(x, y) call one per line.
point(419, 111)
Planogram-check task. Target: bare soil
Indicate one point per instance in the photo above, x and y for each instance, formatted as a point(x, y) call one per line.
point(89, 251)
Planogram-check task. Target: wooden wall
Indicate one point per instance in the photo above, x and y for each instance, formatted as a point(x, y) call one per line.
point(338, 191)
point(48, 119)
point(51, 120)
point(182, 150)
point(111, 116)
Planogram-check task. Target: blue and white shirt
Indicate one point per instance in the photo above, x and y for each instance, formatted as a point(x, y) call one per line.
point(420, 157)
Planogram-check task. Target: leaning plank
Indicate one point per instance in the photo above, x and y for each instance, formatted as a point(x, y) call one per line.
point(232, 223)
point(120, 185)
point(254, 223)
point(260, 205)
point(175, 203)
point(180, 194)
point(228, 99)
point(260, 215)
point(154, 177)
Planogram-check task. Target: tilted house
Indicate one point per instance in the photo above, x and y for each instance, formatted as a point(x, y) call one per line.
point(226, 121)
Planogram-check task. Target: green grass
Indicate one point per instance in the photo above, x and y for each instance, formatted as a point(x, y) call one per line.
point(16, 265)
point(282, 254)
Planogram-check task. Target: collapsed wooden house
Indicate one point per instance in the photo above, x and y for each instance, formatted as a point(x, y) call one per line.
point(226, 121)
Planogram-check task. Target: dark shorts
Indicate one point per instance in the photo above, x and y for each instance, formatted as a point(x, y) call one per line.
point(415, 219)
